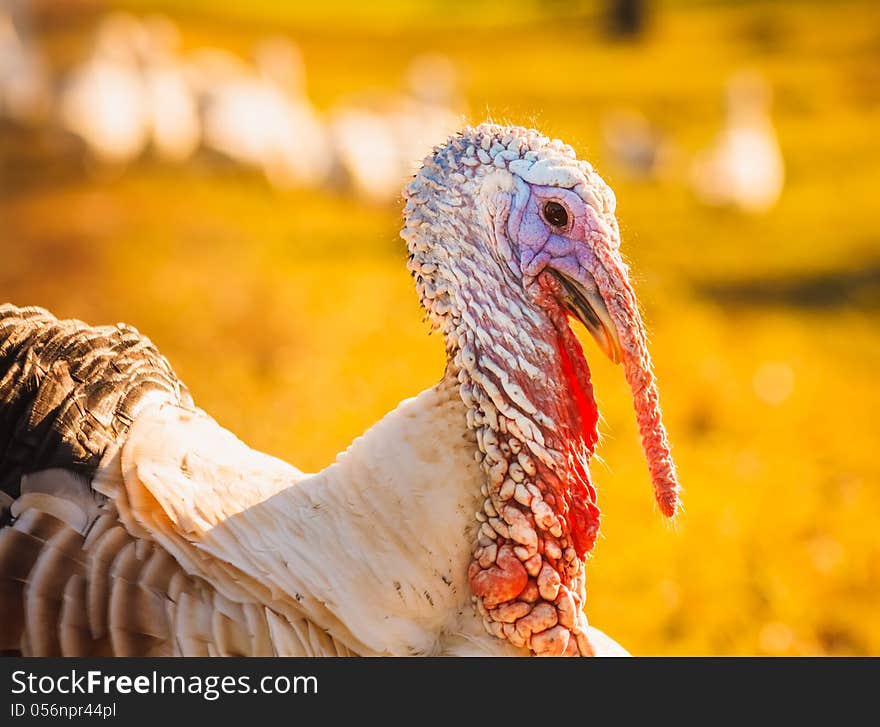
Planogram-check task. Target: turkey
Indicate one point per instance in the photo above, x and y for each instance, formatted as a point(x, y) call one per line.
point(459, 524)
point(264, 119)
point(25, 88)
point(744, 167)
point(379, 137)
point(103, 100)
point(174, 113)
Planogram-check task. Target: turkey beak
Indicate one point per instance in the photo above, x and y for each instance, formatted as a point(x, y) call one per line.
point(590, 309)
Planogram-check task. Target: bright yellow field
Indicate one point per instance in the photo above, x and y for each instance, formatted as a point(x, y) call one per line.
point(293, 320)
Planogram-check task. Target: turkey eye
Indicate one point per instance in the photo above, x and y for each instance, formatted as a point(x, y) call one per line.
point(555, 214)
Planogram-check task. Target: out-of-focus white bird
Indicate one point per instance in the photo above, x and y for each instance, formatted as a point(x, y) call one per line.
point(379, 139)
point(174, 115)
point(264, 120)
point(25, 91)
point(364, 150)
point(104, 100)
point(208, 70)
point(744, 167)
point(636, 147)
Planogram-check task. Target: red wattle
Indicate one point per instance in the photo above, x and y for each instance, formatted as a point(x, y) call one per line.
point(578, 493)
point(580, 387)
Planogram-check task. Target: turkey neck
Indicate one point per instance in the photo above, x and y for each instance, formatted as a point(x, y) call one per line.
point(529, 400)
point(526, 388)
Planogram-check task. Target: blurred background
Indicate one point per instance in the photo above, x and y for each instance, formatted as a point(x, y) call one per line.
point(227, 181)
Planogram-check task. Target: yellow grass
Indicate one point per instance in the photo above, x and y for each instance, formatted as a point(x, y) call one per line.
point(292, 318)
